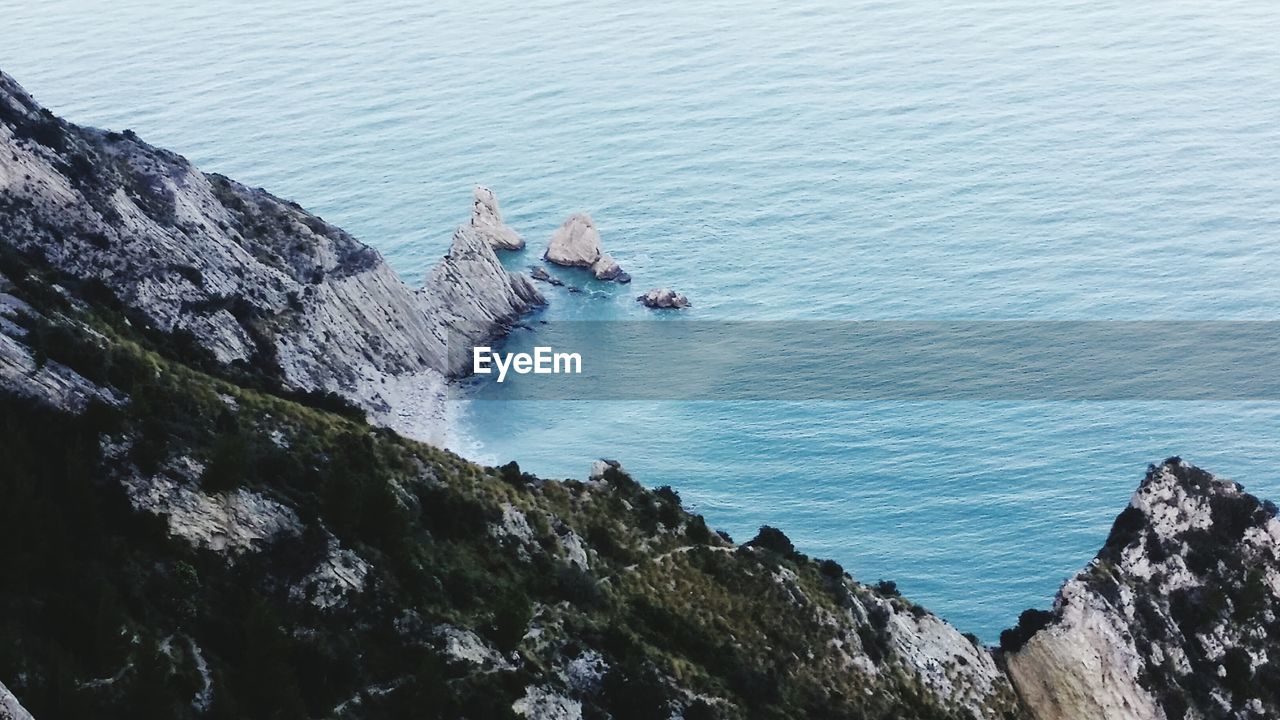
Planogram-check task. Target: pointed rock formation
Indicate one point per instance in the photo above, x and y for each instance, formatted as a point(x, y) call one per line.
point(473, 299)
point(660, 298)
point(487, 221)
point(576, 243)
point(1177, 617)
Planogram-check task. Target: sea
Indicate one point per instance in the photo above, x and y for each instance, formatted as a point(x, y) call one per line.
point(808, 160)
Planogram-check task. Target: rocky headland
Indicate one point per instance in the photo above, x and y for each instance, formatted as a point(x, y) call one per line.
point(248, 278)
point(1178, 616)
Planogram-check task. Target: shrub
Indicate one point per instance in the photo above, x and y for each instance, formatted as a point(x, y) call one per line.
point(774, 540)
point(577, 586)
point(888, 588)
point(696, 531)
point(831, 569)
point(510, 619)
point(1030, 622)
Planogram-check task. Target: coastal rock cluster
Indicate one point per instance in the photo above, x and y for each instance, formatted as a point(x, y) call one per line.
point(576, 243)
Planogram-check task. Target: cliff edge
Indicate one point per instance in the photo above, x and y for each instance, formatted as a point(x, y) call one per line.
point(254, 281)
point(1178, 617)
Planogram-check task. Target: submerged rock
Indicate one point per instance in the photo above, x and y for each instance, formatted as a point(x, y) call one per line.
point(659, 298)
point(486, 218)
point(576, 243)
point(541, 275)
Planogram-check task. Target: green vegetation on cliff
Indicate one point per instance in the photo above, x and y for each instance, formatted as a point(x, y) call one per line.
point(196, 542)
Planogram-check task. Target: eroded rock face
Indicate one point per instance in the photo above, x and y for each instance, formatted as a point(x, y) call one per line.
point(340, 574)
point(248, 277)
point(10, 709)
point(660, 298)
point(1177, 617)
point(576, 243)
point(487, 221)
point(471, 298)
point(231, 523)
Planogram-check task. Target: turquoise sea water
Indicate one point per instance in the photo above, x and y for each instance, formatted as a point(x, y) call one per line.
point(851, 160)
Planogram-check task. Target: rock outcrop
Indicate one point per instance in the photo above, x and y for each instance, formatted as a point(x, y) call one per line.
point(486, 220)
point(661, 298)
point(254, 280)
point(471, 298)
point(576, 243)
point(1177, 618)
point(10, 709)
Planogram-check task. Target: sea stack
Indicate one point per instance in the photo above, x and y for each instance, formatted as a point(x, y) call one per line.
point(486, 218)
point(662, 298)
point(576, 243)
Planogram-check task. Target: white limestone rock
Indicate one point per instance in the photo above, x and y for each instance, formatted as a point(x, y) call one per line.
point(487, 221)
point(252, 278)
point(602, 466)
point(463, 646)
point(338, 576)
point(471, 299)
point(576, 243)
point(542, 703)
point(10, 709)
point(1175, 609)
point(231, 523)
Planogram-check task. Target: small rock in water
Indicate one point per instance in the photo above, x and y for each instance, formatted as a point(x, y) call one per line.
point(664, 298)
point(541, 275)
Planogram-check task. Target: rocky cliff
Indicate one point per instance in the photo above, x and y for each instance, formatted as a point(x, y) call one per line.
point(251, 279)
point(9, 707)
point(1178, 617)
point(221, 538)
point(211, 549)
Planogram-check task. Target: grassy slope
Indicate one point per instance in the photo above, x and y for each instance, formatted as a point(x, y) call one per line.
point(104, 614)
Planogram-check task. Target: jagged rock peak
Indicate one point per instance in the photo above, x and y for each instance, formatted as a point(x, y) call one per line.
point(1177, 618)
point(576, 243)
point(474, 298)
point(487, 220)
